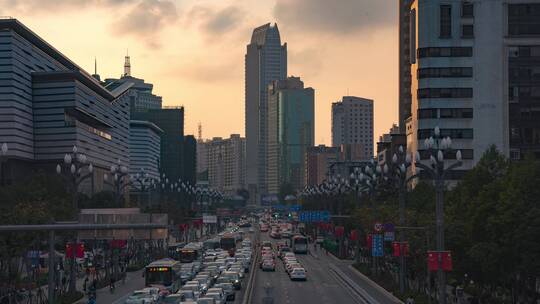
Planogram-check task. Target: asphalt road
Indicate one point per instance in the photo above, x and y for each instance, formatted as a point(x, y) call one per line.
point(320, 287)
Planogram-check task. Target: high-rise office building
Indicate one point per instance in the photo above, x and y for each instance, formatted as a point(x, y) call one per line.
point(140, 94)
point(226, 163)
point(144, 148)
point(404, 63)
point(318, 160)
point(48, 104)
point(352, 125)
point(171, 121)
point(475, 74)
point(291, 131)
point(265, 61)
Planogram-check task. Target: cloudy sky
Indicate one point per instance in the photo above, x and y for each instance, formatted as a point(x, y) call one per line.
point(193, 50)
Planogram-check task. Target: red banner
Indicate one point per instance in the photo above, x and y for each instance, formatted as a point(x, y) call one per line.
point(339, 231)
point(197, 222)
point(80, 251)
point(446, 258)
point(433, 260)
point(400, 248)
point(183, 227)
point(354, 235)
point(78, 248)
point(369, 240)
point(69, 250)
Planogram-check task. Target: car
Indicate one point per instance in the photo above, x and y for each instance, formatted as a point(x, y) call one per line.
point(221, 296)
point(187, 295)
point(172, 299)
point(228, 289)
point(233, 278)
point(193, 288)
point(289, 267)
point(319, 240)
point(264, 228)
point(298, 274)
point(140, 298)
point(268, 265)
point(206, 300)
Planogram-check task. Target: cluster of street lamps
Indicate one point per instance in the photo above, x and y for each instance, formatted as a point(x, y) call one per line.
point(367, 179)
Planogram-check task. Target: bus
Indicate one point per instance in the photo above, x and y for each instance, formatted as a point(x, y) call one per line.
point(174, 250)
point(299, 244)
point(187, 255)
point(164, 272)
point(228, 243)
point(211, 244)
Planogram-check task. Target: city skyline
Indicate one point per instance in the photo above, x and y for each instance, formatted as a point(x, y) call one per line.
point(167, 45)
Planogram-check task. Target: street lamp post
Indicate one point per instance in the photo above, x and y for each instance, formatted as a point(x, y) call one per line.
point(437, 146)
point(118, 173)
point(73, 175)
point(143, 183)
point(400, 163)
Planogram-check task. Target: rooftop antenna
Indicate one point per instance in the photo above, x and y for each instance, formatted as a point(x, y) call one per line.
point(127, 65)
point(95, 65)
point(200, 131)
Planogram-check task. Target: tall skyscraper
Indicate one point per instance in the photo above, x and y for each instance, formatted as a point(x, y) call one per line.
point(476, 76)
point(404, 65)
point(291, 131)
point(265, 61)
point(352, 126)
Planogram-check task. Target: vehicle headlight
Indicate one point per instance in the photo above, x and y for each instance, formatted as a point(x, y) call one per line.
point(236, 281)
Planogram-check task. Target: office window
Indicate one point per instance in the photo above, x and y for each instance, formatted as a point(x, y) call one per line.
point(427, 113)
point(444, 72)
point(452, 133)
point(445, 52)
point(467, 10)
point(445, 93)
point(445, 21)
point(467, 31)
point(456, 113)
point(524, 19)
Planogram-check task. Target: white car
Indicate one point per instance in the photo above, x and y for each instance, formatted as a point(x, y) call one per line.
point(298, 274)
point(218, 297)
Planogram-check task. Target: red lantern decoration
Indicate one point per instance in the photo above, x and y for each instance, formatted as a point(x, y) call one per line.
point(369, 240)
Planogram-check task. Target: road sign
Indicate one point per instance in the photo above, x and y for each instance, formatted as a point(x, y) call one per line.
point(377, 245)
point(389, 236)
point(389, 227)
point(378, 227)
point(316, 216)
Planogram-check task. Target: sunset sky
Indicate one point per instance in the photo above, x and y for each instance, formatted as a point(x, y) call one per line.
point(193, 50)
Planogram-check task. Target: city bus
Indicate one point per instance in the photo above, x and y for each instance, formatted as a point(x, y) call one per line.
point(299, 244)
point(164, 272)
point(228, 243)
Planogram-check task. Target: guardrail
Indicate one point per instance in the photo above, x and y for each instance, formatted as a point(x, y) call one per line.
point(251, 282)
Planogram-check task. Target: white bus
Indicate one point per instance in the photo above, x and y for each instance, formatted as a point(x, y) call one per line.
point(299, 244)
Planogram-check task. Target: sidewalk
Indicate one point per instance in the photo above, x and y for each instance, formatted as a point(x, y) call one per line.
point(134, 281)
